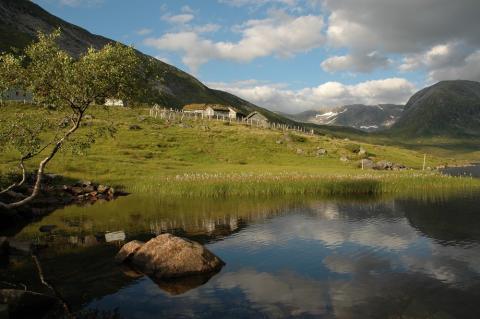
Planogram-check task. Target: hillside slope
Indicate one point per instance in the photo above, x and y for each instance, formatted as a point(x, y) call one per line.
point(21, 19)
point(368, 118)
point(448, 108)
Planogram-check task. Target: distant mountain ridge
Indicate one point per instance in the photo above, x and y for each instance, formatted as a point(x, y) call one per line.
point(21, 19)
point(368, 118)
point(448, 108)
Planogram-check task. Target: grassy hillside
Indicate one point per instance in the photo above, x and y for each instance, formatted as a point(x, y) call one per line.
point(165, 152)
point(20, 20)
point(448, 108)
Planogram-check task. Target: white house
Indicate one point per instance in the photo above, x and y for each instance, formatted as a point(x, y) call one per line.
point(18, 95)
point(115, 102)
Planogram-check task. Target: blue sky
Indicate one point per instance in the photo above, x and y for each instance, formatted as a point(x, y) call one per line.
point(293, 55)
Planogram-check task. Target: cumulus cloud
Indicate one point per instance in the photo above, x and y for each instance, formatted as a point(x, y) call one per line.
point(279, 97)
point(400, 27)
point(280, 35)
point(356, 62)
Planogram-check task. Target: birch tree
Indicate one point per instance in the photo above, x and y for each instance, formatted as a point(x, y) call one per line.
point(63, 83)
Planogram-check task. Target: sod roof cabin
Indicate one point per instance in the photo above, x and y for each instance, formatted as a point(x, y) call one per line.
point(210, 110)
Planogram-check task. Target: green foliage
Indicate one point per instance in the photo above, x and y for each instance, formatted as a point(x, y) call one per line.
point(63, 88)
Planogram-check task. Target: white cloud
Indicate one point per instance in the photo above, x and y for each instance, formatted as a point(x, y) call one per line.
point(279, 98)
point(280, 35)
point(179, 18)
point(399, 27)
point(144, 31)
point(356, 62)
point(207, 28)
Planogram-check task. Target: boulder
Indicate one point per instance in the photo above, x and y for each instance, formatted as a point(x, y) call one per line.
point(167, 256)
point(128, 250)
point(367, 163)
point(383, 165)
point(344, 159)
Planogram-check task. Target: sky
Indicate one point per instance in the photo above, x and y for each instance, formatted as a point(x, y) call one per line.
point(296, 55)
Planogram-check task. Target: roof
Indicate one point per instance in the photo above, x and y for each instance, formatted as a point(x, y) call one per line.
point(249, 116)
point(204, 106)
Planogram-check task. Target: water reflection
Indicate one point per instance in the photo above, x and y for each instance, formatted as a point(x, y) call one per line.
point(285, 258)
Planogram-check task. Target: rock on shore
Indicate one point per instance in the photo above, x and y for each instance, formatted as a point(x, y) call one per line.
point(167, 256)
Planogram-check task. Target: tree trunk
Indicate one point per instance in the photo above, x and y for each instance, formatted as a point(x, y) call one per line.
point(41, 168)
point(24, 176)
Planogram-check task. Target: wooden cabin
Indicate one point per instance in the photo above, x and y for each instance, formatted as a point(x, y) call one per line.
point(212, 110)
point(257, 118)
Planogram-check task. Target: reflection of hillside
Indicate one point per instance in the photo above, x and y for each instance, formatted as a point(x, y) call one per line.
point(454, 220)
point(209, 219)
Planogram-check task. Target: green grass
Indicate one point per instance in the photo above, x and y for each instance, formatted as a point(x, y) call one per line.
point(212, 158)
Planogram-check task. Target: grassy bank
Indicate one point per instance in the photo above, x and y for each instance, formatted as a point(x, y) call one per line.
point(188, 157)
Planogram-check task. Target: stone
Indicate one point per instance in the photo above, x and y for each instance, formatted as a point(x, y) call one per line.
point(398, 167)
point(362, 151)
point(383, 165)
point(128, 250)
point(279, 142)
point(299, 151)
point(102, 189)
point(86, 183)
point(76, 190)
point(367, 163)
point(321, 152)
point(344, 159)
point(26, 304)
point(88, 189)
point(167, 257)
point(20, 247)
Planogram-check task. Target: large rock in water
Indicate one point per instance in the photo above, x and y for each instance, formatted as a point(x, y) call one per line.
point(167, 256)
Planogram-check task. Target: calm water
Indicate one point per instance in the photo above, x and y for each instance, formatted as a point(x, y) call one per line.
point(285, 258)
point(473, 171)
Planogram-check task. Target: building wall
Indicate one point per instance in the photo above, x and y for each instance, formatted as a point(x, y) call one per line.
point(18, 95)
point(114, 102)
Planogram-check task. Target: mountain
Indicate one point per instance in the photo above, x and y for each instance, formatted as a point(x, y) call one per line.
point(21, 19)
point(448, 108)
point(368, 118)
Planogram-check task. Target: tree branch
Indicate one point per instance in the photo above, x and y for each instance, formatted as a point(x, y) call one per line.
point(42, 165)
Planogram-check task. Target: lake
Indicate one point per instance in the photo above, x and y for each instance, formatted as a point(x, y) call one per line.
point(285, 258)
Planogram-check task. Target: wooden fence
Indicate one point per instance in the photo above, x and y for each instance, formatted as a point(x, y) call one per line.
point(172, 114)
